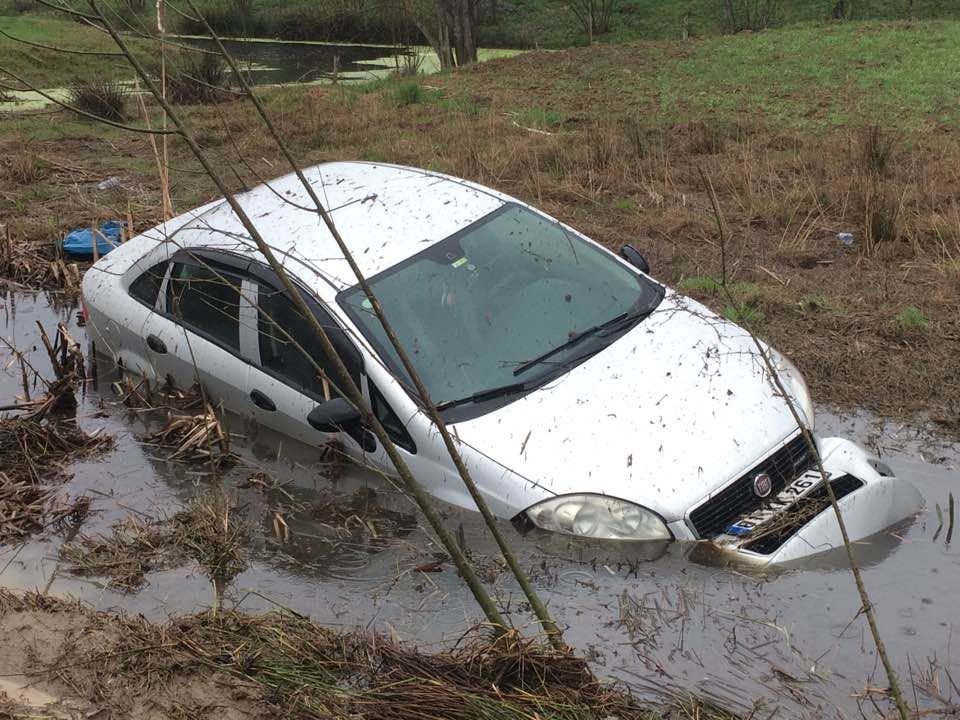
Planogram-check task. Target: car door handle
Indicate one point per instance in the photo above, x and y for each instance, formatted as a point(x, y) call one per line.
point(262, 401)
point(156, 344)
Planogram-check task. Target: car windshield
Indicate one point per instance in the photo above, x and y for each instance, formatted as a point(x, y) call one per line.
point(509, 300)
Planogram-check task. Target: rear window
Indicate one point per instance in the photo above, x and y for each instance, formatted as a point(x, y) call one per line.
point(146, 288)
point(206, 301)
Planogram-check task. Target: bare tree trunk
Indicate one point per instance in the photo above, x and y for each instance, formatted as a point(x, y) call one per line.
point(465, 24)
point(440, 40)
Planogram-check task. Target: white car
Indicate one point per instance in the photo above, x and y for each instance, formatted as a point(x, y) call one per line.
point(586, 397)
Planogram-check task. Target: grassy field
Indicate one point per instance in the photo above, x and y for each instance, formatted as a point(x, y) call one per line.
point(49, 68)
point(548, 23)
point(804, 132)
point(805, 77)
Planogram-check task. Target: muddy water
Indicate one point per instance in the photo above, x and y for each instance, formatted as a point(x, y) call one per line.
point(791, 640)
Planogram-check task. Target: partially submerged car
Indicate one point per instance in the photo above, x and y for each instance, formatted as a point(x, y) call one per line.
point(586, 397)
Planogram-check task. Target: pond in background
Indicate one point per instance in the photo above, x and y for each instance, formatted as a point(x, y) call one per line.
point(278, 62)
point(284, 62)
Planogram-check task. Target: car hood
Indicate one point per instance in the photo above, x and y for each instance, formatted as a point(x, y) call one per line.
point(664, 416)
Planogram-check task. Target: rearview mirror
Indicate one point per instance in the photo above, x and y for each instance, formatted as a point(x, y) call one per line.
point(336, 415)
point(633, 256)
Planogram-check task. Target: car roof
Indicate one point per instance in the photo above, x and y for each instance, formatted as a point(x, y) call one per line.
point(384, 213)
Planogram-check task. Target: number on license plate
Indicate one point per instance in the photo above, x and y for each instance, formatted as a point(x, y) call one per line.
point(784, 499)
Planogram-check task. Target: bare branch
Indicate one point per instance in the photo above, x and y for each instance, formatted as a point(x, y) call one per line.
point(540, 610)
point(353, 392)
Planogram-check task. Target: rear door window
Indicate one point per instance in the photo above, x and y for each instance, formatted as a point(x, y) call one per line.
point(207, 301)
point(146, 288)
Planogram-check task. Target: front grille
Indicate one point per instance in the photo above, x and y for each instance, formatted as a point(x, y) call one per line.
point(774, 533)
point(738, 499)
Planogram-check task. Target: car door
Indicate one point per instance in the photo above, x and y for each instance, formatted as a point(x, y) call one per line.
point(195, 334)
point(290, 373)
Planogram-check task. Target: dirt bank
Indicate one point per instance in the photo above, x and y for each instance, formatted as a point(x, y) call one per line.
point(61, 660)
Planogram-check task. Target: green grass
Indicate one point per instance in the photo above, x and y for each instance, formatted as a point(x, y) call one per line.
point(815, 303)
point(48, 68)
point(409, 92)
point(541, 118)
point(911, 318)
point(803, 77)
point(862, 72)
point(742, 313)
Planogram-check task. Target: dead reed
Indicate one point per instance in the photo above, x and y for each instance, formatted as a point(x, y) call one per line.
point(33, 264)
point(297, 668)
point(194, 440)
point(34, 455)
point(210, 530)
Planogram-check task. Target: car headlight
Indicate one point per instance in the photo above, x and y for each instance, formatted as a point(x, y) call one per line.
point(598, 516)
point(795, 385)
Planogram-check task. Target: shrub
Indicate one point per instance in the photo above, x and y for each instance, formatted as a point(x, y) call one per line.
point(229, 18)
point(24, 168)
point(878, 148)
point(102, 98)
point(755, 15)
point(193, 80)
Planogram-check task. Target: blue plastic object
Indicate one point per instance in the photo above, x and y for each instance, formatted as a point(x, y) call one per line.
point(79, 241)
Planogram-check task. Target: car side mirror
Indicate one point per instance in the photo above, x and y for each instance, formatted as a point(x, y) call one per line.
point(335, 415)
point(633, 256)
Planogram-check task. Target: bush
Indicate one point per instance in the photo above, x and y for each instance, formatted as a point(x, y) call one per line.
point(229, 18)
point(755, 15)
point(407, 93)
point(878, 149)
point(195, 80)
point(102, 98)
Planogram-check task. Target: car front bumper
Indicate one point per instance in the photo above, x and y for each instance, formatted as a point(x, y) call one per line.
point(878, 500)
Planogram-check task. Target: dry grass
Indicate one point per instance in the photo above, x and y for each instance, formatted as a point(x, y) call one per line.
point(33, 457)
point(284, 665)
point(191, 432)
point(621, 174)
point(210, 531)
point(23, 167)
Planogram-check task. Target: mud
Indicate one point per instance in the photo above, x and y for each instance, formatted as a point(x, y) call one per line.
point(356, 554)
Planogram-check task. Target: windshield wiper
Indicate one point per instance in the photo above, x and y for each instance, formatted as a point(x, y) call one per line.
point(602, 330)
point(483, 395)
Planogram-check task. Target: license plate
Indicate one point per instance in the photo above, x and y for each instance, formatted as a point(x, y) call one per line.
point(776, 505)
